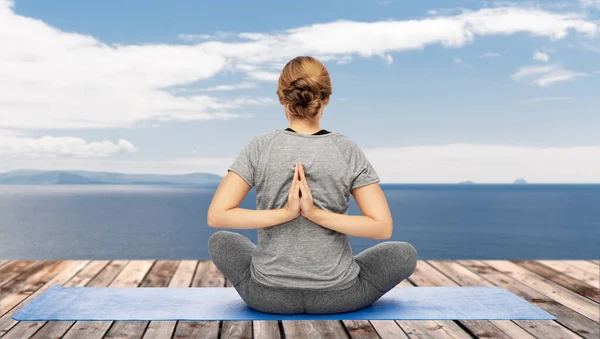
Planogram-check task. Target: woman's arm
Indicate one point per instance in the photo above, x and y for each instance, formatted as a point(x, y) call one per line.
point(224, 212)
point(376, 223)
point(243, 218)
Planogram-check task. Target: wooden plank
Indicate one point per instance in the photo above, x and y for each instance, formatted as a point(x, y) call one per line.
point(13, 269)
point(563, 295)
point(56, 329)
point(559, 278)
point(130, 276)
point(417, 328)
point(388, 329)
point(237, 329)
point(71, 268)
point(355, 329)
point(182, 278)
point(264, 329)
point(3, 262)
point(427, 275)
point(597, 262)
point(584, 266)
point(360, 329)
point(90, 278)
point(428, 328)
point(27, 283)
point(207, 275)
point(572, 271)
point(464, 277)
point(159, 276)
point(313, 329)
point(569, 322)
point(27, 329)
point(109, 273)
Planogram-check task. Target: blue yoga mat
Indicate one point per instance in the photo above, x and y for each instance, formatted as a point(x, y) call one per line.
point(219, 303)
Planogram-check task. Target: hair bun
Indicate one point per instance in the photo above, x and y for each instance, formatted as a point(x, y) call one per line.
point(303, 97)
point(303, 84)
point(307, 89)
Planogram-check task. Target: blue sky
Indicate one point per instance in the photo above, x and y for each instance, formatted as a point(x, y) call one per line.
point(434, 91)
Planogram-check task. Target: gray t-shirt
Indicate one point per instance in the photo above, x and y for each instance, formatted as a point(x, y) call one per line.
point(301, 253)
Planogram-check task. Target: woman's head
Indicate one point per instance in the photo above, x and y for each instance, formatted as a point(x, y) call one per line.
point(304, 88)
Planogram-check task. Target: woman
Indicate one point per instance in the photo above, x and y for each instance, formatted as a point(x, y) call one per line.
point(304, 175)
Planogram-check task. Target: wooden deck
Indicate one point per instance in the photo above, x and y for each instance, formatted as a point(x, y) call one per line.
point(566, 289)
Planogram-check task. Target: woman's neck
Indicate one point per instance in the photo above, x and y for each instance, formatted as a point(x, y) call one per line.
point(305, 128)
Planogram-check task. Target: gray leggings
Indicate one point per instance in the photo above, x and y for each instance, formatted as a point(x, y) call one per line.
point(382, 267)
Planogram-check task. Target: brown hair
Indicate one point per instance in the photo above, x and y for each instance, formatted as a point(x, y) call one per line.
point(303, 84)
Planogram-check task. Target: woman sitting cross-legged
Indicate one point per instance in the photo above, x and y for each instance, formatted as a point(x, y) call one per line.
point(304, 175)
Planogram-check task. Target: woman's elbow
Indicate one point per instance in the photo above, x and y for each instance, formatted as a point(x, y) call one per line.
point(212, 220)
point(385, 231)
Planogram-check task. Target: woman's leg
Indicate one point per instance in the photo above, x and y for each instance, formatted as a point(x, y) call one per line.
point(387, 264)
point(383, 266)
point(359, 295)
point(269, 299)
point(232, 254)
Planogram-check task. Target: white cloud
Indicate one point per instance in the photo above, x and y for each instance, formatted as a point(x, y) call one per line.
point(79, 81)
point(411, 164)
point(376, 38)
point(541, 56)
point(543, 99)
point(533, 70)
point(11, 133)
point(560, 75)
point(217, 88)
point(194, 37)
point(486, 163)
point(545, 75)
point(61, 146)
point(590, 47)
point(254, 101)
point(197, 37)
point(490, 55)
point(460, 62)
point(246, 68)
point(388, 59)
point(345, 59)
point(232, 87)
point(262, 75)
point(590, 4)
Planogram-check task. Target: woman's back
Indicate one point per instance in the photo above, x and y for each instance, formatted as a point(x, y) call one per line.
point(300, 253)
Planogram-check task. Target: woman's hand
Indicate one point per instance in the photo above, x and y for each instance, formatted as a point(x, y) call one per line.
point(307, 206)
point(292, 207)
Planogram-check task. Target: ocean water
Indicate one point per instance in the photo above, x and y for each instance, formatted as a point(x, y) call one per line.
point(487, 222)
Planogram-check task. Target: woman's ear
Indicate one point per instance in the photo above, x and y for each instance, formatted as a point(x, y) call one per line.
point(326, 101)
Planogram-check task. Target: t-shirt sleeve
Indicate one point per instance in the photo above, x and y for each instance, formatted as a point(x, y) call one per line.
point(244, 163)
point(361, 171)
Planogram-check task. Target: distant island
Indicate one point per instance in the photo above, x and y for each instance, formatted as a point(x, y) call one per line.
point(520, 181)
point(467, 182)
point(40, 177)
